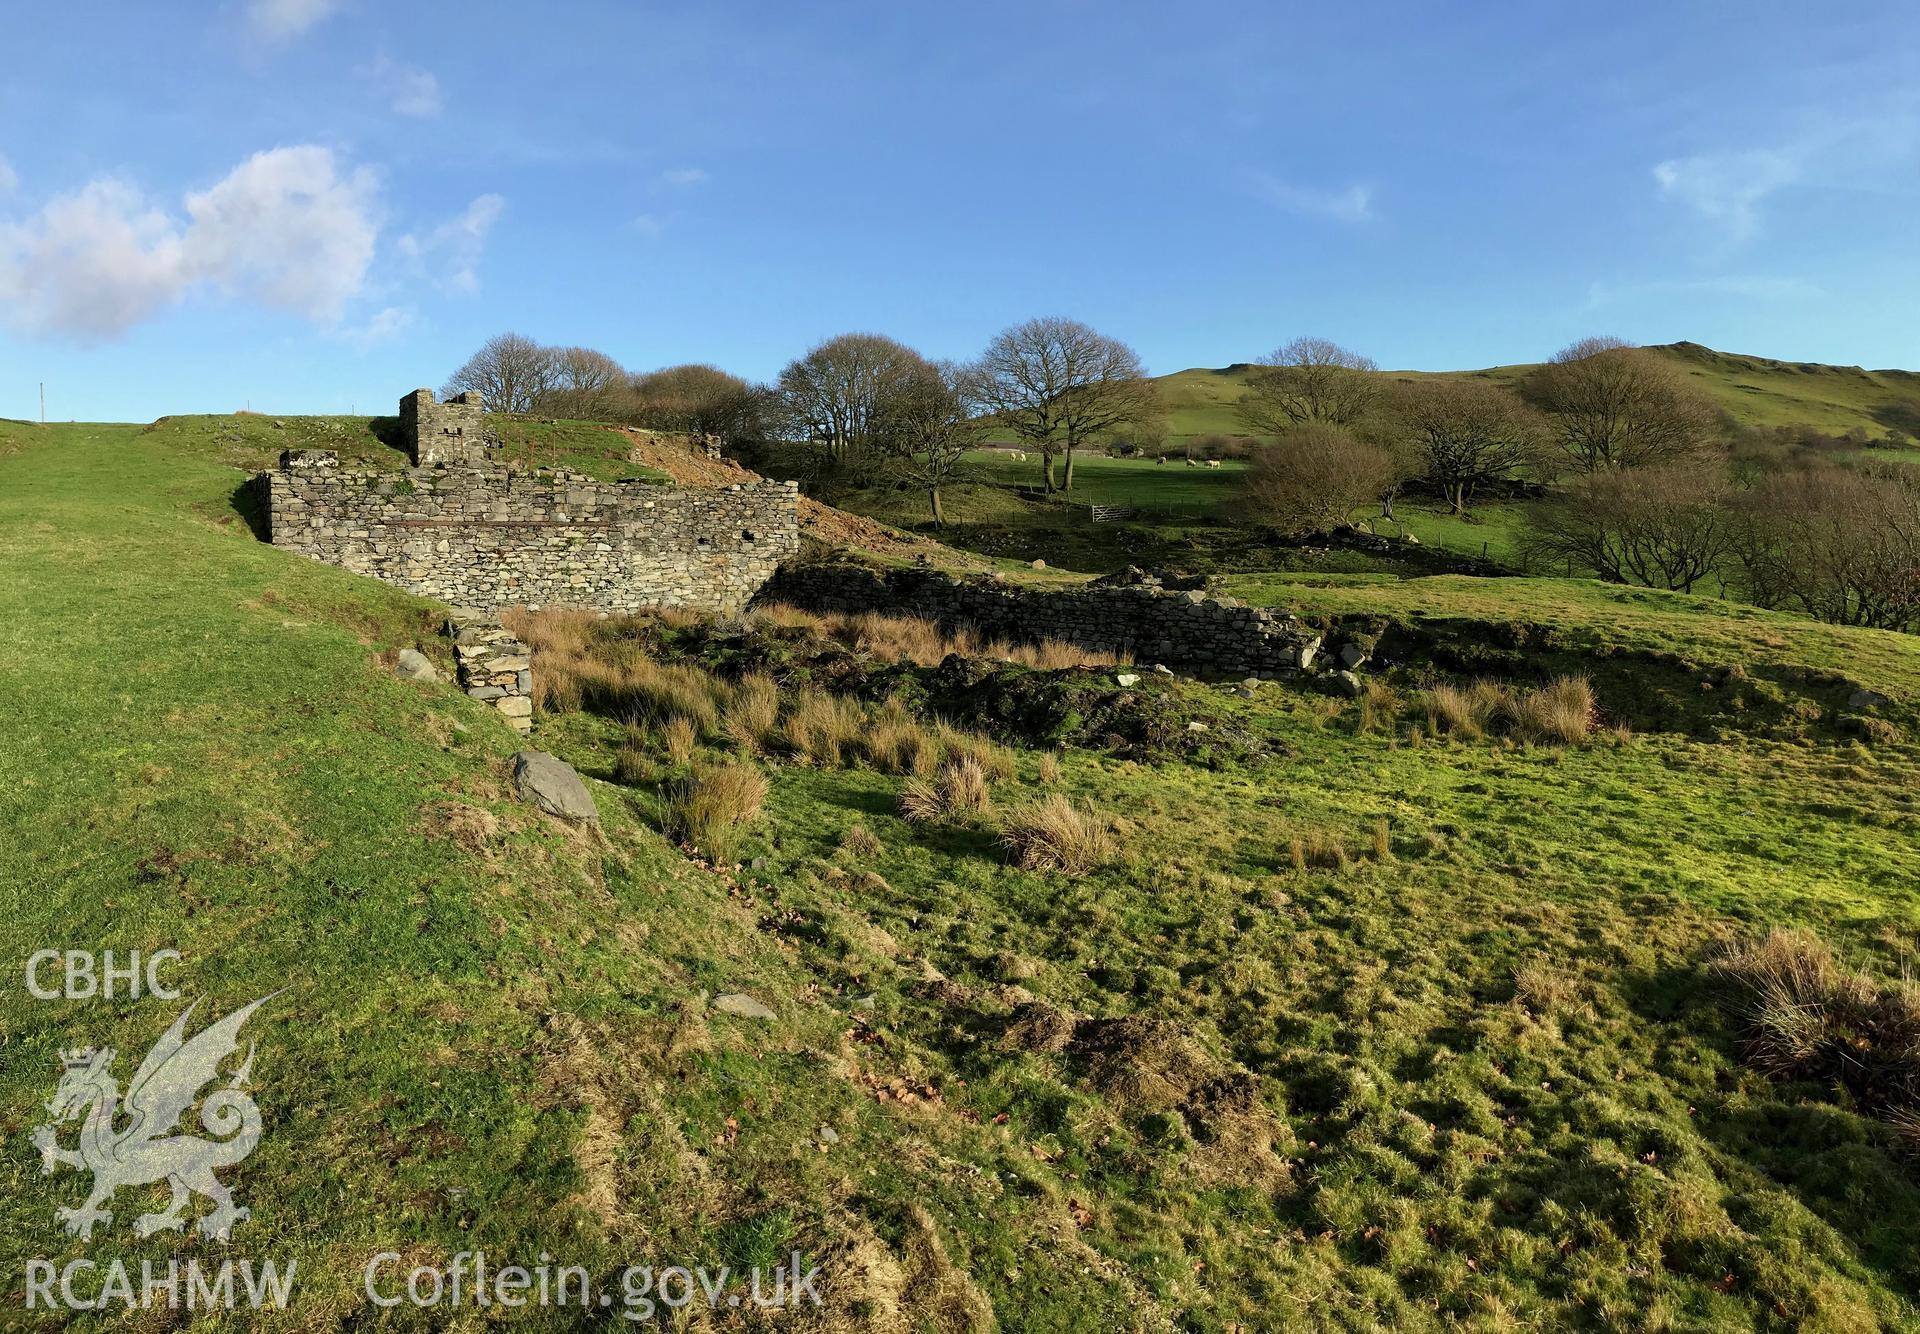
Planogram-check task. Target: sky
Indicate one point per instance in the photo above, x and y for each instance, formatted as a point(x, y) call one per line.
point(316, 205)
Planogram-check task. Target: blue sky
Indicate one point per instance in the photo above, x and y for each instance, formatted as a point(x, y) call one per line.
point(314, 205)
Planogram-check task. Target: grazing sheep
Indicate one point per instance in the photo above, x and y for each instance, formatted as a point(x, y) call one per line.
point(1213, 463)
point(1160, 459)
point(1193, 463)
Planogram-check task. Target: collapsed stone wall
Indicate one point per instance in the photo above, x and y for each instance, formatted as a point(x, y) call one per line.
point(485, 537)
point(1183, 630)
point(494, 667)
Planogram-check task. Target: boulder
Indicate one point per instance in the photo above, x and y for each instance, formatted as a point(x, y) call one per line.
point(1867, 699)
point(742, 1006)
point(413, 665)
point(1127, 679)
point(1352, 655)
point(550, 783)
point(1350, 685)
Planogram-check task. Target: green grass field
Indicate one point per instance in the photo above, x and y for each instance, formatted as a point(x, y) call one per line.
point(1471, 1071)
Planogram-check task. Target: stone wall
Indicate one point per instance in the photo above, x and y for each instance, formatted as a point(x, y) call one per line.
point(453, 432)
point(1186, 631)
point(494, 667)
point(484, 537)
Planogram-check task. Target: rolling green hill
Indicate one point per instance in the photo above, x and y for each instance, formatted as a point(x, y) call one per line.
point(1757, 391)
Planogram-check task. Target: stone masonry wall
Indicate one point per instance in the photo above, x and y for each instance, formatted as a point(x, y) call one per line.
point(453, 432)
point(483, 537)
point(494, 667)
point(1183, 630)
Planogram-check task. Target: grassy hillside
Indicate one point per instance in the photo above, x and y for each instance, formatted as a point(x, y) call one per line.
point(1757, 391)
point(1357, 1027)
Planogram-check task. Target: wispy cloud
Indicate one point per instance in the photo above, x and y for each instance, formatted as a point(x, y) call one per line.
point(680, 178)
point(410, 91)
point(276, 21)
point(1730, 190)
point(450, 254)
point(291, 227)
point(383, 326)
point(1351, 204)
point(648, 224)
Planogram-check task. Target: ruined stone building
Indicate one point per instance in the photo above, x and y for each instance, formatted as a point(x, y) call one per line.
point(460, 526)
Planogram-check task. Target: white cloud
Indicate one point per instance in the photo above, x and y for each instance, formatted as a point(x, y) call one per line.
point(411, 91)
point(283, 20)
point(1353, 204)
point(1728, 188)
point(289, 227)
point(92, 263)
point(385, 325)
point(450, 253)
point(9, 178)
point(648, 224)
point(681, 177)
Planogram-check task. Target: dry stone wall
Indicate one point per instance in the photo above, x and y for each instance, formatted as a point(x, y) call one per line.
point(494, 667)
point(1183, 630)
point(485, 537)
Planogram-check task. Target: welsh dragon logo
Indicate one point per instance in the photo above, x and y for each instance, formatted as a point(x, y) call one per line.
point(144, 1151)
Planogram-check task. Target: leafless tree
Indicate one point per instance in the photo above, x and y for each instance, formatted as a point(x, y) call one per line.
point(1841, 544)
point(511, 373)
point(1058, 384)
point(844, 393)
point(1665, 527)
point(585, 384)
point(1610, 405)
point(703, 400)
point(1314, 477)
point(1466, 433)
point(930, 427)
point(1308, 380)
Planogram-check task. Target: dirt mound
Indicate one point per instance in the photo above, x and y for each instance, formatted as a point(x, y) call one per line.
point(1140, 1060)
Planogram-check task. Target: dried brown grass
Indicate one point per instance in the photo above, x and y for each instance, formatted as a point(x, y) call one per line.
point(1054, 834)
point(714, 807)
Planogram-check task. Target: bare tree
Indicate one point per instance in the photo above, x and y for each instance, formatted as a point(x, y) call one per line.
point(1058, 384)
point(1313, 479)
point(1308, 380)
point(511, 373)
point(1665, 527)
point(1841, 544)
point(1467, 433)
point(844, 394)
point(931, 426)
point(585, 383)
point(703, 400)
point(1610, 405)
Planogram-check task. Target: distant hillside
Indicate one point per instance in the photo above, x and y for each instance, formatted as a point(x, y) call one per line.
point(1758, 391)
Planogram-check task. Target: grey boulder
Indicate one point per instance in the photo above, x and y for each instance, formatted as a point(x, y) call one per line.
point(551, 784)
point(413, 665)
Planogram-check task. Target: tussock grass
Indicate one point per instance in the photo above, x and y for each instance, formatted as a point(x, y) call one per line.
point(860, 842)
point(679, 737)
point(1562, 712)
point(752, 713)
point(923, 642)
point(1055, 834)
point(960, 790)
point(713, 808)
point(1808, 1016)
point(820, 728)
